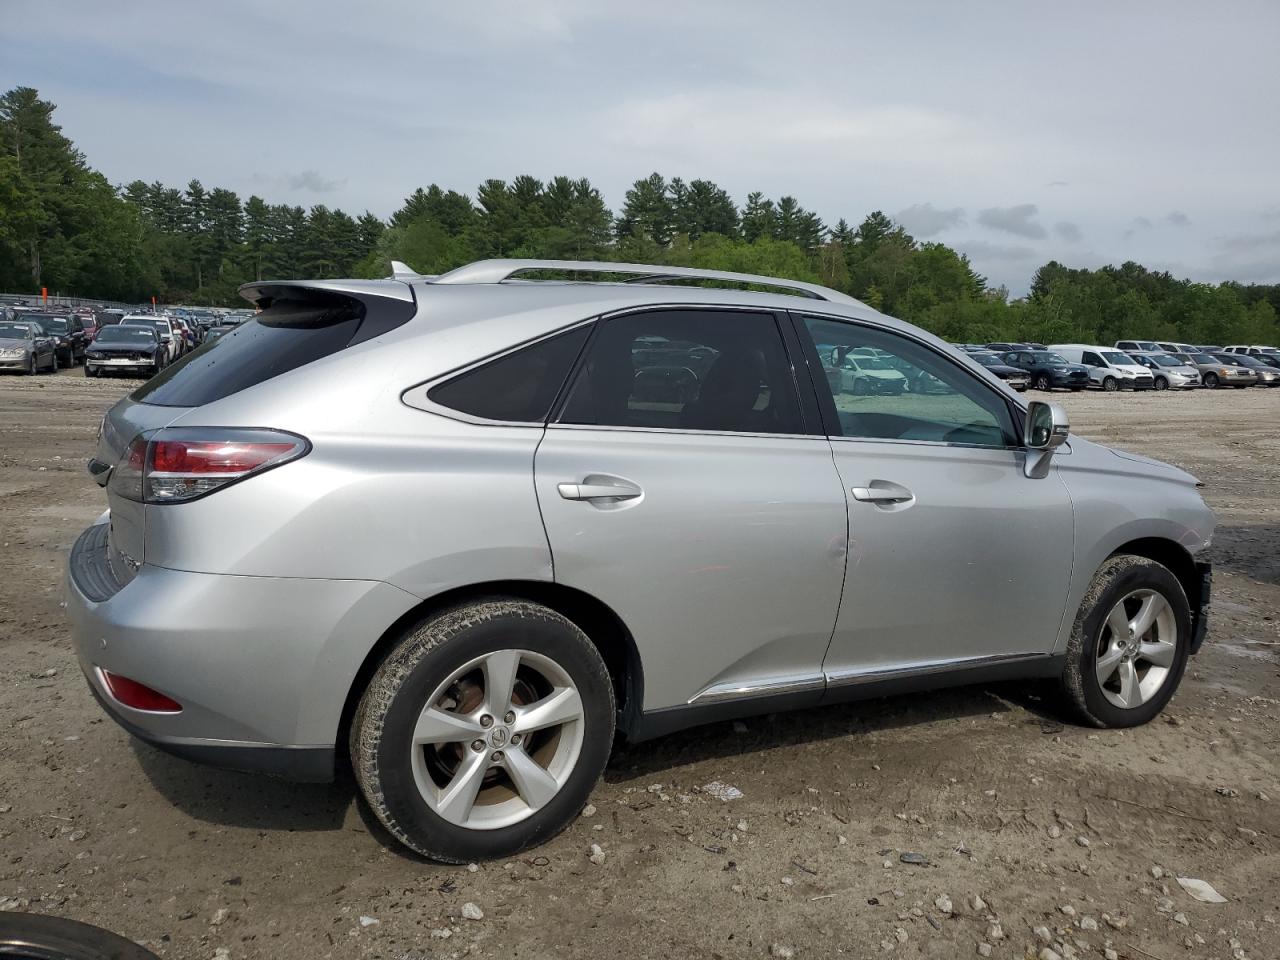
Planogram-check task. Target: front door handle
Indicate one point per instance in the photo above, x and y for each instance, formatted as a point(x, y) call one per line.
point(882, 491)
point(599, 490)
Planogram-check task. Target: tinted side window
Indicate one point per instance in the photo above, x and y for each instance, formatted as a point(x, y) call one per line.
point(897, 389)
point(687, 370)
point(519, 387)
point(1092, 359)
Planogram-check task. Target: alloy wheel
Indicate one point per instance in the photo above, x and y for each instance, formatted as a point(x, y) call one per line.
point(1136, 649)
point(1042, 382)
point(498, 739)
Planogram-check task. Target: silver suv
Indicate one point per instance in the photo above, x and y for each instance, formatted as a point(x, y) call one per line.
point(465, 528)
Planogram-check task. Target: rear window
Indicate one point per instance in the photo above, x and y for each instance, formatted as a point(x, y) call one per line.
point(517, 388)
point(287, 335)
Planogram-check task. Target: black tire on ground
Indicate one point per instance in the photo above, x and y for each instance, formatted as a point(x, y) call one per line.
point(1110, 384)
point(1080, 690)
point(40, 937)
point(1042, 383)
point(432, 650)
point(1161, 383)
point(31, 365)
point(1211, 380)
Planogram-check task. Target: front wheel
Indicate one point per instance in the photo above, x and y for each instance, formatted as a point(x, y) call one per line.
point(31, 365)
point(1042, 383)
point(1162, 383)
point(1211, 380)
point(1129, 645)
point(484, 730)
point(1110, 384)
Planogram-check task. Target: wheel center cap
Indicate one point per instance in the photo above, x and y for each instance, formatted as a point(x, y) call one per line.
point(498, 737)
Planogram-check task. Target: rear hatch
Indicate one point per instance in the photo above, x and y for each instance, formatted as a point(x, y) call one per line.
point(299, 323)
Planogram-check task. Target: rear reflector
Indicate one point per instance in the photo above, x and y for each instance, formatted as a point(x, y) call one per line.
point(137, 695)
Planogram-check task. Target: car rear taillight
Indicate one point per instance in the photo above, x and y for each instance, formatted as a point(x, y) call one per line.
point(175, 465)
point(137, 695)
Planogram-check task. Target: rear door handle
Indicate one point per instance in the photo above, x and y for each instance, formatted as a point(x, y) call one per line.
point(882, 491)
point(611, 490)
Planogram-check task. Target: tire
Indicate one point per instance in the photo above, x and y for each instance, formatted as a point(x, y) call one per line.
point(53, 362)
point(1211, 380)
point(1092, 698)
point(1110, 384)
point(40, 937)
point(89, 371)
point(442, 664)
point(1042, 383)
point(1161, 383)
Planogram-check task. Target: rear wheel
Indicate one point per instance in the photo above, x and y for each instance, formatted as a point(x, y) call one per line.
point(1110, 384)
point(1129, 645)
point(31, 936)
point(484, 730)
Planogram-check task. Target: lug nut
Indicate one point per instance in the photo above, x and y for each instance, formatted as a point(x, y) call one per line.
point(510, 717)
point(497, 756)
point(486, 721)
point(515, 739)
point(477, 745)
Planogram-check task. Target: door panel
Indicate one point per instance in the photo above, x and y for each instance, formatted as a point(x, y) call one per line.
point(976, 564)
point(726, 567)
point(954, 554)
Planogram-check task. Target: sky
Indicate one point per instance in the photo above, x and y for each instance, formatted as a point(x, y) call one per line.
point(1017, 132)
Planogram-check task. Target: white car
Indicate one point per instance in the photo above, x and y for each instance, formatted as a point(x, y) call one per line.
point(867, 373)
point(1109, 369)
point(1252, 350)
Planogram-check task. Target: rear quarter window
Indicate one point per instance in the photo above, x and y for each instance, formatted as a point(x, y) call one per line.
point(519, 387)
point(285, 336)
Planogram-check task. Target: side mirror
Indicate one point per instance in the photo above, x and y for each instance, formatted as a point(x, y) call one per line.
point(1046, 429)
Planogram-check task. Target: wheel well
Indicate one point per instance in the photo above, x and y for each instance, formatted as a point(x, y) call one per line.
point(602, 626)
point(1173, 556)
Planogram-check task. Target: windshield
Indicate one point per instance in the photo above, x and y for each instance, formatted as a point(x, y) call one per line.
point(866, 363)
point(14, 331)
point(157, 325)
point(988, 359)
point(133, 333)
point(1247, 361)
point(1115, 356)
point(52, 324)
point(1046, 356)
point(1202, 358)
point(1166, 361)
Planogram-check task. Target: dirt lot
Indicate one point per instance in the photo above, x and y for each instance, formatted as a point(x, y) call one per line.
point(1074, 831)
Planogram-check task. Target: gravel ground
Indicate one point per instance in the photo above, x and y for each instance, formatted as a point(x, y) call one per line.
point(923, 826)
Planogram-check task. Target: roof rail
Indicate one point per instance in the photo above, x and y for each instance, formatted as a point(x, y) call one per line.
point(496, 271)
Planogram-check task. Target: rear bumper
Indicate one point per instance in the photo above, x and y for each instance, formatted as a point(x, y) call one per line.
point(262, 666)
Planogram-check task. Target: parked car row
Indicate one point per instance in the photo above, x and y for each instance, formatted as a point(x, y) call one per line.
point(1129, 365)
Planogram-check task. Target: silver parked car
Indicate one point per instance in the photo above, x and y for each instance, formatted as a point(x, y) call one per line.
point(1169, 372)
point(466, 528)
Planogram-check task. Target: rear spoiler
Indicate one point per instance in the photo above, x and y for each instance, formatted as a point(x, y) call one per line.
point(382, 304)
point(259, 291)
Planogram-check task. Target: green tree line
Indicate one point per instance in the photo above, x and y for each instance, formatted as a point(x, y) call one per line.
point(65, 227)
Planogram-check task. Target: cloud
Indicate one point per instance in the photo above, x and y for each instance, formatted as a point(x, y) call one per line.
point(926, 220)
point(311, 180)
point(1068, 231)
point(981, 250)
point(1136, 224)
point(1059, 183)
point(1019, 220)
point(1178, 218)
